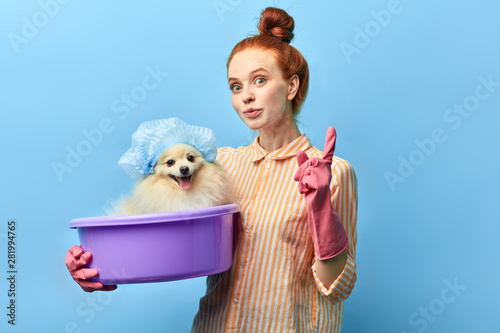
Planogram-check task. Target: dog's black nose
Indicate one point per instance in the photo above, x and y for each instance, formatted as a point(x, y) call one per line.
point(184, 170)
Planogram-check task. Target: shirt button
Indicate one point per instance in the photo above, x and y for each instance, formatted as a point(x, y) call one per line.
point(268, 166)
point(248, 230)
point(242, 265)
point(257, 197)
point(235, 301)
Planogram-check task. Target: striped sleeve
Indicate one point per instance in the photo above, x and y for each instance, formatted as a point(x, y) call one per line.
point(345, 203)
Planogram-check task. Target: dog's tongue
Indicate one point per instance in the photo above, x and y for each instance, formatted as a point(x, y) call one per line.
point(184, 182)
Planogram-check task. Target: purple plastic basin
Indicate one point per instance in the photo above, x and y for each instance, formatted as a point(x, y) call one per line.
point(159, 247)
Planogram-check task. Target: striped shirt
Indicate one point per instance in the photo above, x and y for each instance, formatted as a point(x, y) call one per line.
point(272, 285)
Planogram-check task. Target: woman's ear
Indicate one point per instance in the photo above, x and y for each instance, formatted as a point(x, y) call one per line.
point(293, 87)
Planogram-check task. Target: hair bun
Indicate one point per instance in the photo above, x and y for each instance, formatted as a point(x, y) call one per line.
point(276, 23)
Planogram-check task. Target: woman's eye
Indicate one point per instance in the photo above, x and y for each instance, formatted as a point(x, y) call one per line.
point(190, 158)
point(260, 80)
point(236, 88)
point(170, 162)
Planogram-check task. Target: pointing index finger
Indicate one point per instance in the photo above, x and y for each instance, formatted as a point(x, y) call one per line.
point(331, 136)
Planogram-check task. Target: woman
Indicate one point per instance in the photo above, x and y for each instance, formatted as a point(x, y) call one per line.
point(295, 261)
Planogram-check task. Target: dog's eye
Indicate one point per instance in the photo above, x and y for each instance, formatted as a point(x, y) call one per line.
point(170, 162)
point(190, 158)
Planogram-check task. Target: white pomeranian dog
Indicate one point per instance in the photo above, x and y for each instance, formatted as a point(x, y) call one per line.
point(182, 179)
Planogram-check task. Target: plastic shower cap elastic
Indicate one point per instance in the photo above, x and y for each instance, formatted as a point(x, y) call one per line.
point(152, 137)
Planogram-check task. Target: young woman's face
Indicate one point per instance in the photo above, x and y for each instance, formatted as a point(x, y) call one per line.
point(259, 94)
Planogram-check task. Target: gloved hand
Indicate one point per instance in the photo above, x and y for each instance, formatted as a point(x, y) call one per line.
point(75, 261)
point(314, 176)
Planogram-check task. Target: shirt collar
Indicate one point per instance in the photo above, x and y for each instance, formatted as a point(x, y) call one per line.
point(287, 151)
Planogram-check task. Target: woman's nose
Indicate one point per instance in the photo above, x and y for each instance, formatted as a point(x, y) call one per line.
point(248, 95)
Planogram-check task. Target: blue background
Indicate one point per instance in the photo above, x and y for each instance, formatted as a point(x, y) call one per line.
point(65, 67)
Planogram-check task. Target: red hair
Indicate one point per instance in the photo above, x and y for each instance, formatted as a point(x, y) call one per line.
point(276, 33)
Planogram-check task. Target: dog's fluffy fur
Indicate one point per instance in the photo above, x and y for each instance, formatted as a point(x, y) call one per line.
point(182, 179)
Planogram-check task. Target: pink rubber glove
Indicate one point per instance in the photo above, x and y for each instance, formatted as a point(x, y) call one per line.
point(314, 176)
point(76, 261)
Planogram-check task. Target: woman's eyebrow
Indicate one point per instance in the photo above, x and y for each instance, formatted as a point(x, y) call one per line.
point(250, 74)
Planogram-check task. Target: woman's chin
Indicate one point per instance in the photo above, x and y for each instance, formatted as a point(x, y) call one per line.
point(253, 124)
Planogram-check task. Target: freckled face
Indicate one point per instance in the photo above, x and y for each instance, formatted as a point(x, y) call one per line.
point(259, 94)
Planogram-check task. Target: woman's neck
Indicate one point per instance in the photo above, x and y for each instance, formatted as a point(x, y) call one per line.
point(272, 139)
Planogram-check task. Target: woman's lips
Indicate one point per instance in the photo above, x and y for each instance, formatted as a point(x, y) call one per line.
point(252, 113)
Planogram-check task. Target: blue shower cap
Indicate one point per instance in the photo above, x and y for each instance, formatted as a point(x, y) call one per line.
point(153, 137)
